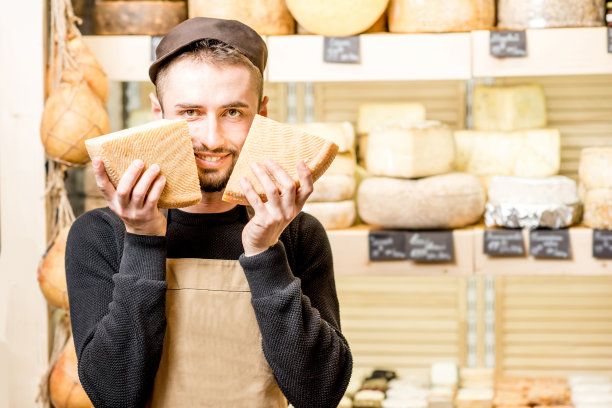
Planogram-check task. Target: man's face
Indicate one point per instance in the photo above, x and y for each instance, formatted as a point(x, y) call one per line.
point(219, 104)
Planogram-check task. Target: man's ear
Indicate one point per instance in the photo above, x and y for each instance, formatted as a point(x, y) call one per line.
point(263, 107)
point(156, 107)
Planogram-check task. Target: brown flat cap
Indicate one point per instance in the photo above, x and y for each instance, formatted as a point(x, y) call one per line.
point(234, 33)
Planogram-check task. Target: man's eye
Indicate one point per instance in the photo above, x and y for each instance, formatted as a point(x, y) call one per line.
point(234, 113)
point(189, 112)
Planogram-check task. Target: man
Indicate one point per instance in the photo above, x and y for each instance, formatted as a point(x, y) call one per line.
point(210, 306)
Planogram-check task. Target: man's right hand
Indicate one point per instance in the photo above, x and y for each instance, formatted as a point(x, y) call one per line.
point(135, 198)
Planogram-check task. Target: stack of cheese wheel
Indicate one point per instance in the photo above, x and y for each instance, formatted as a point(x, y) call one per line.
point(267, 17)
point(332, 199)
point(52, 272)
point(521, 14)
point(137, 17)
point(411, 161)
point(595, 177)
point(410, 16)
point(65, 390)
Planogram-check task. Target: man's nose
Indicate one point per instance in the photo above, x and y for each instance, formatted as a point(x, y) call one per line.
point(209, 133)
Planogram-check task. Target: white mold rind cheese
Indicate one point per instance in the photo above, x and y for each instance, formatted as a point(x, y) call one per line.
point(332, 187)
point(333, 215)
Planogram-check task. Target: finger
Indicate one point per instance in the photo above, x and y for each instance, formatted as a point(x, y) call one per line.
point(155, 192)
point(306, 184)
point(252, 196)
point(102, 181)
point(269, 187)
point(128, 181)
point(287, 193)
point(142, 187)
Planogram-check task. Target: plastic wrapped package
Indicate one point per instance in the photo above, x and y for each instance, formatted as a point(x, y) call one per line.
point(519, 14)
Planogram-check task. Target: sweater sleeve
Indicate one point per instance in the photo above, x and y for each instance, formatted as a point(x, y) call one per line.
point(299, 316)
point(116, 289)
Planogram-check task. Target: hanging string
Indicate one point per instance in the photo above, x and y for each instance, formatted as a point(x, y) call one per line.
point(63, 28)
point(61, 213)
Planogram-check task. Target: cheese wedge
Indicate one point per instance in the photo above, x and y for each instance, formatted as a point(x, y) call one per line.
point(376, 114)
point(341, 133)
point(165, 142)
point(284, 144)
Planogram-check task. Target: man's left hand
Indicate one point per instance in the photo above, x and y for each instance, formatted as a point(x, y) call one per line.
point(273, 216)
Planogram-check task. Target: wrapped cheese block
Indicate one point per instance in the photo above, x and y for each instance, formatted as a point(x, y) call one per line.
point(287, 146)
point(337, 18)
point(137, 17)
point(267, 17)
point(595, 170)
point(598, 208)
point(410, 150)
point(331, 187)
point(65, 390)
point(520, 14)
point(528, 153)
point(447, 201)
point(413, 16)
point(72, 114)
point(166, 143)
point(376, 114)
point(516, 202)
point(333, 215)
point(340, 133)
point(509, 107)
point(52, 273)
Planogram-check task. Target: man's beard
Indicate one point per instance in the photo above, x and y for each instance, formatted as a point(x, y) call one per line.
point(214, 180)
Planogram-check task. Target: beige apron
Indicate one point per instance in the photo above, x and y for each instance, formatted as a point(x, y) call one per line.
point(212, 354)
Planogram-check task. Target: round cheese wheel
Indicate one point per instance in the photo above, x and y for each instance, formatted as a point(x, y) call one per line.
point(520, 14)
point(333, 187)
point(380, 26)
point(595, 170)
point(598, 208)
point(137, 17)
point(333, 215)
point(52, 272)
point(267, 17)
point(410, 16)
point(72, 114)
point(86, 67)
point(448, 201)
point(65, 390)
point(337, 18)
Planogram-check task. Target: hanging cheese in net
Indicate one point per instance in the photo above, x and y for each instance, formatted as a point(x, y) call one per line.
point(337, 18)
point(72, 114)
point(65, 390)
point(284, 144)
point(52, 272)
point(164, 142)
point(412, 16)
point(267, 17)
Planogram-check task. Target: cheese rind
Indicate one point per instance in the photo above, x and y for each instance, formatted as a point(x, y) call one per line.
point(598, 208)
point(522, 190)
point(595, 170)
point(509, 107)
point(447, 201)
point(332, 187)
point(166, 143)
point(341, 133)
point(411, 150)
point(527, 153)
point(333, 215)
point(375, 114)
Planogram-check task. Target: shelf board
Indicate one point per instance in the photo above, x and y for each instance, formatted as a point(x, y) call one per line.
point(551, 51)
point(384, 57)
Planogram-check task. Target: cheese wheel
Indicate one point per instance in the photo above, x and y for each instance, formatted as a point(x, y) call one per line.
point(341, 133)
point(333, 188)
point(267, 17)
point(521, 14)
point(344, 164)
point(509, 107)
point(72, 114)
point(380, 26)
point(52, 272)
point(410, 16)
point(284, 144)
point(375, 114)
point(530, 153)
point(166, 143)
point(337, 18)
point(554, 190)
point(447, 201)
point(595, 170)
point(65, 390)
point(137, 17)
point(410, 150)
point(333, 215)
point(598, 208)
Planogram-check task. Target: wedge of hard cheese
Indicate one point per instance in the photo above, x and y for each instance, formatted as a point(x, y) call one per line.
point(165, 142)
point(284, 144)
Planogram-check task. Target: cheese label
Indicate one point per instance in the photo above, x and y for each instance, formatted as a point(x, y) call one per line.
point(602, 244)
point(508, 44)
point(387, 245)
point(501, 242)
point(553, 244)
point(431, 246)
point(344, 50)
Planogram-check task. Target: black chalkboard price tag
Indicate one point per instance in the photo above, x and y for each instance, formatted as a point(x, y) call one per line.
point(344, 50)
point(609, 39)
point(602, 244)
point(154, 43)
point(498, 242)
point(431, 246)
point(508, 44)
point(550, 244)
point(387, 245)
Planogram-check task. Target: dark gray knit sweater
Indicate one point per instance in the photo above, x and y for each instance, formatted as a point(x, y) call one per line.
point(117, 292)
